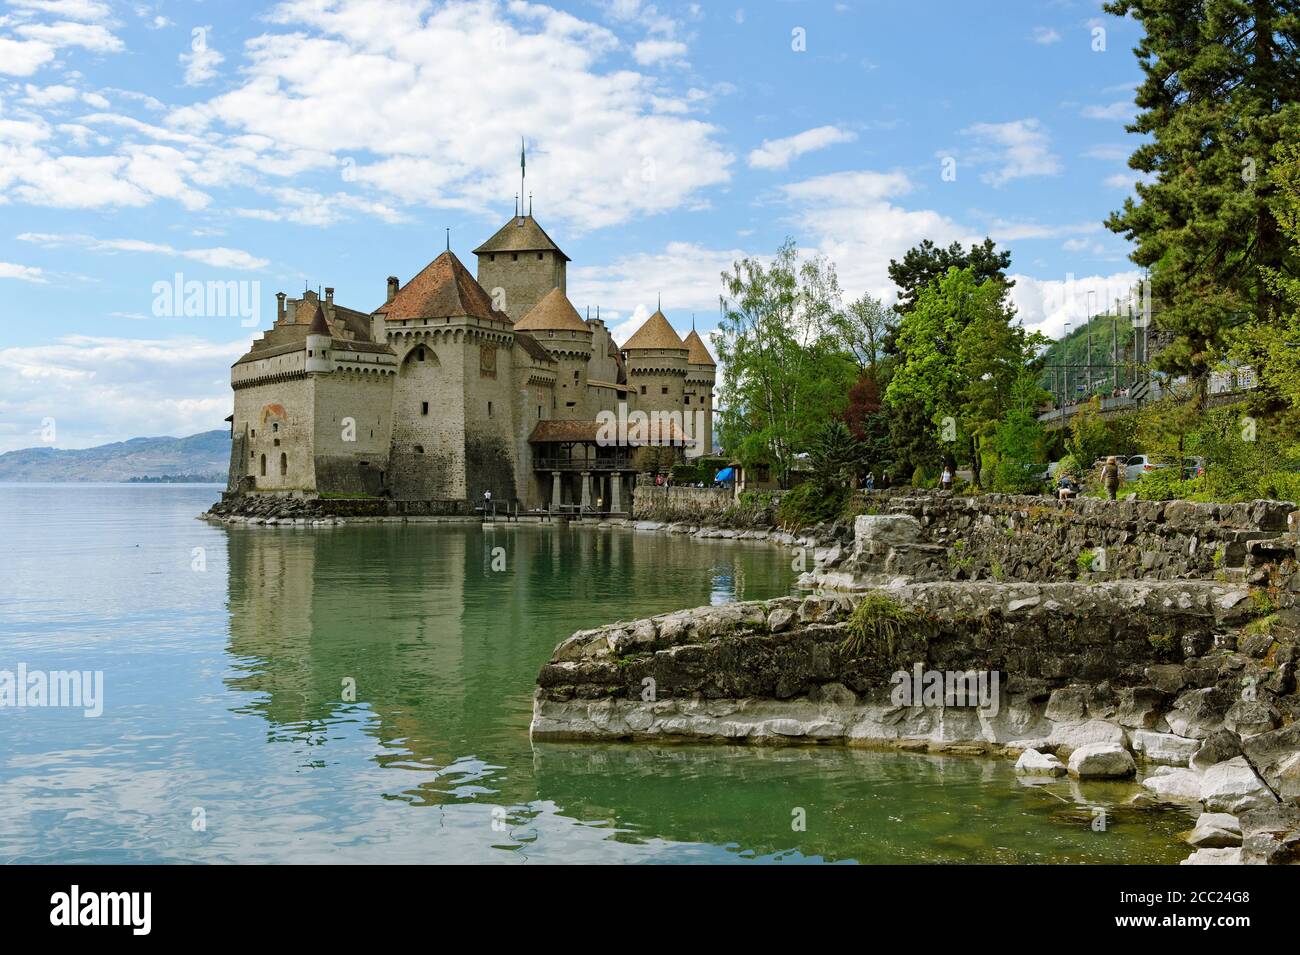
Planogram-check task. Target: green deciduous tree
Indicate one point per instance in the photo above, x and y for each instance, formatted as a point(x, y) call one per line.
point(960, 353)
point(783, 370)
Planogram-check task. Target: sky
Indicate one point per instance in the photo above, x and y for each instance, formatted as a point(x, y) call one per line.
point(146, 146)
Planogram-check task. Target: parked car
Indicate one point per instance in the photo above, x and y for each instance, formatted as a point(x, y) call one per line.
point(1139, 465)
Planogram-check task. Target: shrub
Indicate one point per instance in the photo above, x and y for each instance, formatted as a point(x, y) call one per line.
point(877, 620)
point(809, 504)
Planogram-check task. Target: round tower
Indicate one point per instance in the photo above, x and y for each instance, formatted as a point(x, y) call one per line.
point(701, 376)
point(656, 360)
point(557, 327)
point(318, 342)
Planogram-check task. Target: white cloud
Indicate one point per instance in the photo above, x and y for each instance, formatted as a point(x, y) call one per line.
point(202, 60)
point(686, 274)
point(1045, 36)
point(855, 219)
point(605, 144)
point(23, 57)
point(219, 257)
point(93, 11)
point(1123, 110)
point(1046, 305)
point(24, 273)
point(101, 389)
point(90, 36)
point(778, 153)
point(49, 95)
point(1019, 149)
point(650, 52)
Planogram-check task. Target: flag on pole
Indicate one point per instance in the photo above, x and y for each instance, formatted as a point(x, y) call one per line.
point(523, 171)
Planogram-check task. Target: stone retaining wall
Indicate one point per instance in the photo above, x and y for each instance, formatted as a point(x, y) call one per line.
point(1014, 537)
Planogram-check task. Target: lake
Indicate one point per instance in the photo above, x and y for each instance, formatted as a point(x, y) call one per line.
point(363, 694)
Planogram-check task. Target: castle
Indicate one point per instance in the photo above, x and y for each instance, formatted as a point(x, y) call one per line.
point(447, 390)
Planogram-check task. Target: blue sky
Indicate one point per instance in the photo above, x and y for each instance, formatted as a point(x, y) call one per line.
point(332, 142)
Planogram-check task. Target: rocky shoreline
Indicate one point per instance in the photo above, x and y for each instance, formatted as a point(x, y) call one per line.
point(1188, 683)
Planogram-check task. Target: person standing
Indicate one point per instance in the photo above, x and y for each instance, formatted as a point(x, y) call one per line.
point(945, 479)
point(1110, 476)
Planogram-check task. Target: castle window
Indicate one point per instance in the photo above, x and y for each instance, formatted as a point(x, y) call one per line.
point(492, 257)
point(539, 411)
point(489, 409)
point(575, 374)
point(276, 442)
point(419, 356)
point(284, 464)
point(665, 391)
point(424, 407)
point(643, 389)
point(688, 399)
point(539, 256)
point(419, 449)
point(264, 465)
point(514, 256)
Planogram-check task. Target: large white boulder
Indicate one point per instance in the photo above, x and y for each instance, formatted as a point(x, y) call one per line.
point(1232, 786)
point(1216, 830)
point(1165, 748)
point(1101, 761)
point(1213, 857)
point(1067, 737)
point(1183, 785)
point(1034, 763)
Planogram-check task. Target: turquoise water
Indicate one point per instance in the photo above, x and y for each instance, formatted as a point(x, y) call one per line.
point(229, 733)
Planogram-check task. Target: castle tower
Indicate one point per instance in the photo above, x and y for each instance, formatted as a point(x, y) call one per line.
point(701, 376)
point(318, 342)
point(454, 392)
point(557, 327)
point(519, 265)
point(657, 360)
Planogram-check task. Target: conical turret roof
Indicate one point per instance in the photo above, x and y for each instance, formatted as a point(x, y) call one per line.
point(655, 333)
point(697, 351)
point(553, 313)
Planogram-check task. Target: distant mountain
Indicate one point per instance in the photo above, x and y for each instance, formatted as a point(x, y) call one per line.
point(203, 456)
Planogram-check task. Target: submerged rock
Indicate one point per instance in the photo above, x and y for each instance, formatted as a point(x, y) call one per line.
point(1034, 763)
point(1101, 761)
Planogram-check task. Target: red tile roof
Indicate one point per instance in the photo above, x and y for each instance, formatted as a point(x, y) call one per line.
point(443, 289)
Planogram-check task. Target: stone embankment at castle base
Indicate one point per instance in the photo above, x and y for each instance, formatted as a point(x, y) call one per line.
point(1173, 662)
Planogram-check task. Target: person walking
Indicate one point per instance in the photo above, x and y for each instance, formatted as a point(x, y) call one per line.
point(1110, 476)
point(945, 479)
point(871, 481)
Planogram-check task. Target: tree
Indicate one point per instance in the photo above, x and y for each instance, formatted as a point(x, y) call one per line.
point(783, 372)
point(1272, 349)
point(862, 329)
point(959, 353)
point(867, 418)
point(835, 456)
point(1221, 90)
point(1019, 436)
point(927, 263)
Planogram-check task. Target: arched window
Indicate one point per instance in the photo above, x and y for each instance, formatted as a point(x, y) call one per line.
point(284, 464)
point(264, 465)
